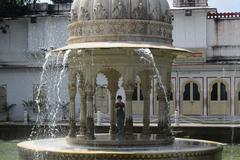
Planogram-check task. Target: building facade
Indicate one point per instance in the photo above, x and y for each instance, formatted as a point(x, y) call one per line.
point(207, 83)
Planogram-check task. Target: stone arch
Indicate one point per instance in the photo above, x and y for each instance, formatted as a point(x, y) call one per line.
point(219, 97)
point(102, 99)
point(191, 98)
point(112, 76)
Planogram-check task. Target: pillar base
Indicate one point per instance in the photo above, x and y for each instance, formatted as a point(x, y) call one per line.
point(146, 134)
point(113, 130)
point(83, 128)
point(129, 128)
point(90, 128)
point(165, 134)
point(72, 132)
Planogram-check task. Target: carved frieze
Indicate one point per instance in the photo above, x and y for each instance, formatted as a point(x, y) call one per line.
point(126, 29)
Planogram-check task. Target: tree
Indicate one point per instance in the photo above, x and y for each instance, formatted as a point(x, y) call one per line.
point(14, 8)
point(27, 105)
point(7, 108)
point(64, 107)
point(62, 1)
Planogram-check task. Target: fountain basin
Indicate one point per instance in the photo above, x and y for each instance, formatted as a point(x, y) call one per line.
point(59, 149)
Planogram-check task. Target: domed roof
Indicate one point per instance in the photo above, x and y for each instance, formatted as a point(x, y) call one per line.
point(120, 20)
point(120, 9)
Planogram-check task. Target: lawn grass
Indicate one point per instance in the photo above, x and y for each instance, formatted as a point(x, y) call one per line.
point(231, 152)
point(8, 150)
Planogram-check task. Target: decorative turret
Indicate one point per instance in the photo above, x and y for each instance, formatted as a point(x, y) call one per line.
point(190, 3)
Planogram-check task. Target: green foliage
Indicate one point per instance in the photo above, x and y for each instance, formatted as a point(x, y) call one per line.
point(27, 104)
point(8, 107)
point(64, 107)
point(62, 1)
point(14, 8)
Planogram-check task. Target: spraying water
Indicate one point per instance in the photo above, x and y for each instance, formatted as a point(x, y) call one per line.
point(147, 55)
point(44, 69)
point(53, 72)
point(64, 64)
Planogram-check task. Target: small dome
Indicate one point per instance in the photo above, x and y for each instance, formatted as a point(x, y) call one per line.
point(120, 20)
point(157, 10)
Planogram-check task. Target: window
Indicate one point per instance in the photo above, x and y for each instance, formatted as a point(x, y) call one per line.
point(223, 92)
point(191, 92)
point(171, 96)
point(239, 95)
point(3, 97)
point(196, 94)
point(135, 94)
point(186, 94)
point(42, 97)
point(219, 92)
point(214, 93)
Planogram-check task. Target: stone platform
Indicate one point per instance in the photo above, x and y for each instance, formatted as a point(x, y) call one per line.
point(58, 149)
point(104, 139)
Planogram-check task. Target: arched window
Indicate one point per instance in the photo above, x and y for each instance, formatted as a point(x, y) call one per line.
point(219, 92)
point(186, 94)
point(191, 92)
point(214, 93)
point(239, 96)
point(3, 97)
point(196, 94)
point(223, 92)
point(171, 96)
point(135, 94)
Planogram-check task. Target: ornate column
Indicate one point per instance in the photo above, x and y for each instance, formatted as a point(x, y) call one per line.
point(129, 89)
point(72, 88)
point(146, 88)
point(113, 87)
point(89, 78)
point(83, 112)
point(113, 128)
point(90, 111)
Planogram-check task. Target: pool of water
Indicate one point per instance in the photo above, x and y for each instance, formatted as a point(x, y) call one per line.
point(8, 151)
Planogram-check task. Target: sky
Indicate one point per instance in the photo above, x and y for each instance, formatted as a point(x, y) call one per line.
point(221, 5)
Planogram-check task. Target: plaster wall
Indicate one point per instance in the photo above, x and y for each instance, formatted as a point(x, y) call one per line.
point(190, 31)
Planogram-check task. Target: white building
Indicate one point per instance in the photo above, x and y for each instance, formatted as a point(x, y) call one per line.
point(205, 85)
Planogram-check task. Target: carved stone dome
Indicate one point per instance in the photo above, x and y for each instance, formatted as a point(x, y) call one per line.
point(120, 20)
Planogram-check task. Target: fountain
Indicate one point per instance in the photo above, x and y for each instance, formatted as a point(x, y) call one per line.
point(119, 38)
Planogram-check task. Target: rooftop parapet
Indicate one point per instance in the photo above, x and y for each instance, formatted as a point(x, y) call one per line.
point(224, 15)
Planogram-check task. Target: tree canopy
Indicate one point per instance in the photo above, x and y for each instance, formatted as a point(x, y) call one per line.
point(14, 8)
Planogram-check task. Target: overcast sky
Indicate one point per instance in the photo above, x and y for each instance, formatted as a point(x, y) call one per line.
point(221, 5)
